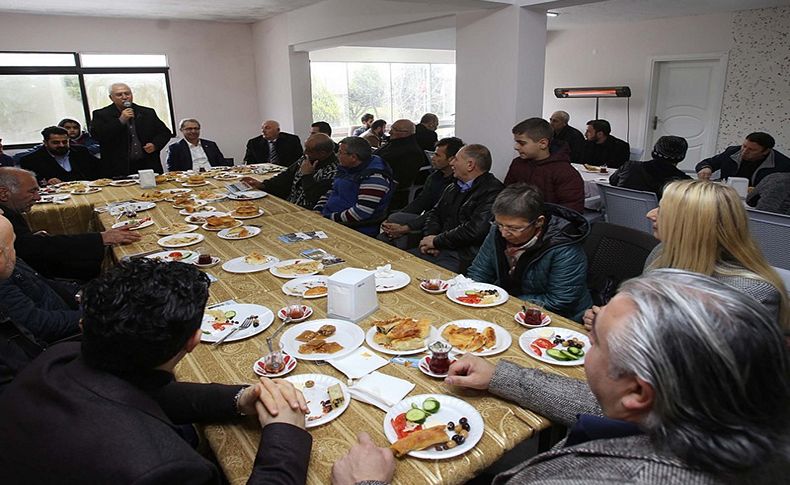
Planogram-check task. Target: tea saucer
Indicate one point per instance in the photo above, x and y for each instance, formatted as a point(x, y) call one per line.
point(290, 364)
point(308, 312)
point(423, 366)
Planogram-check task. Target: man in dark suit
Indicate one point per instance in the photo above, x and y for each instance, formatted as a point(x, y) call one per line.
point(405, 157)
point(273, 146)
point(193, 152)
point(72, 256)
point(131, 136)
point(109, 410)
point(570, 135)
point(57, 161)
point(603, 148)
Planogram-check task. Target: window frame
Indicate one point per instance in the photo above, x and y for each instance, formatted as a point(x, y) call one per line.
point(80, 71)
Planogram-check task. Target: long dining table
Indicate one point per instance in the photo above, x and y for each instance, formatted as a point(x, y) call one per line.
point(235, 444)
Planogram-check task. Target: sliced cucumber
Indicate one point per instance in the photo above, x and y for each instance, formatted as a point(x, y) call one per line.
point(431, 406)
point(569, 355)
point(416, 415)
point(415, 406)
point(558, 354)
point(576, 351)
point(230, 314)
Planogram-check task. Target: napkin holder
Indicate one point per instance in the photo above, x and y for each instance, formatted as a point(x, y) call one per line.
point(351, 294)
point(740, 184)
point(147, 179)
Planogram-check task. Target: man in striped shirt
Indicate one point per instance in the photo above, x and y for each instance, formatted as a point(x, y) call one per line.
point(362, 188)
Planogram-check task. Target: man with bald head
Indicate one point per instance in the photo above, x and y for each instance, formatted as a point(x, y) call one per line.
point(405, 157)
point(273, 146)
point(307, 179)
point(570, 135)
point(131, 136)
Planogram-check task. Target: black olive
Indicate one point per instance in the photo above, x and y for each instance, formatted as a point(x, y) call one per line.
point(458, 439)
point(451, 426)
point(463, 420)
point(465, 426)
point(438, 447)
point(255, 325)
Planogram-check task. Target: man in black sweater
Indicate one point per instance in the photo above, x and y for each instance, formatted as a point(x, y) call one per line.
point(603, 148)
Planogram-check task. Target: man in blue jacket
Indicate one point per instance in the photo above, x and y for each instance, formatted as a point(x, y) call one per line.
point(754, 159)
point(534, 251)
point(193, 152)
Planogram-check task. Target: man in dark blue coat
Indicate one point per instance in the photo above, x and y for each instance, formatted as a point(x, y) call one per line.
point(193, 152)
point(754, 159)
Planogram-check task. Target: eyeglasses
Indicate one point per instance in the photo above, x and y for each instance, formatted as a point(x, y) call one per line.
point(512, 229)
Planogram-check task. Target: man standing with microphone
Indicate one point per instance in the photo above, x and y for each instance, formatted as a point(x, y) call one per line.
point(131, 136)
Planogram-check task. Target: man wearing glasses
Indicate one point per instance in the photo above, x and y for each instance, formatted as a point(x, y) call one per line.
point(193, 152)
point(534, 251)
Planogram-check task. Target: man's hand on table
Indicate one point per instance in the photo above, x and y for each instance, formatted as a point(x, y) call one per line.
point(121, 235)
point(394, 230)
point(364, 461)
point(255, 184)
point(470, 371)
point(589, 317)
point(705, 173)
point(278, 402)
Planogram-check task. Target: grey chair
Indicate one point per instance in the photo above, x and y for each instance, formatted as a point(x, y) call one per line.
point(627, 207)
point(772, 233)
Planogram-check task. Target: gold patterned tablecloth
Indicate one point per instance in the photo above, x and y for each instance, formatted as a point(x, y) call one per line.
point(235, 445)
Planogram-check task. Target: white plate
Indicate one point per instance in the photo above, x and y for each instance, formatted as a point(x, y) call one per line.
point(236, 216)
point(458, 290)
point(297, 286)
point(442, 288)
point(123, 183)
point(227, 176)
point(425, 369)
point(384, 350)
point(47, 199)
point(307, 313)
point(450, 409)
point(237, 265)
point(519, 318)
point(202, 214)
point(529, 336)
point(396, 281)
point(175, 191)
point(347, 334)
point(290, 364)
point(89, 190)
point(181, 230)
point(165, 241)
point(248, 195)
point(186, 256)
point(503, 338)
point(136, 206)
point(209, 228)
point(203, 208)
point(243, 310)
point(201, 184)
point(314, 395)
point(147, 223)
point(217, 196)
point(275, 270)
point(214, 261)
point(253, 231)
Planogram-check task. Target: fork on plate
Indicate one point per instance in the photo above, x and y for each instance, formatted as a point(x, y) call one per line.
point(244, 325)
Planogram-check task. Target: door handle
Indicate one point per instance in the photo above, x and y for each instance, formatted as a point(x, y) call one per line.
point(655, 122)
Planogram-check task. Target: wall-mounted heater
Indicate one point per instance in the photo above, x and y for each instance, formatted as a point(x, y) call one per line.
point(594, 92)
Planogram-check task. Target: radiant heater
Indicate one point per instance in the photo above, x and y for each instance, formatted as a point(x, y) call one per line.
point(595, 92)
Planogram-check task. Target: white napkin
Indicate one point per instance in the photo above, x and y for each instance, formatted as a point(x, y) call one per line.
point(359, 363)
point(460, 280)
point(380, 390)
point(384, 271)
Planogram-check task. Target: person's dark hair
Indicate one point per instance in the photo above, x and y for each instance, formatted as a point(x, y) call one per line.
point(63, 122)
point(535, 129)
point(356, 145)
point(53, 130)
point(519, 200)
point(323, 127)
point(480, 154)
point(429, 117)
point(710, 405)
point(378, 124)
point(763, 139)
point(452, 144)
point(366, 117)
point(601, 125)
point(141, 313)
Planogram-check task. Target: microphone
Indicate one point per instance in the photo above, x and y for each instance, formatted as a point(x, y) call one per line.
point(127, 104)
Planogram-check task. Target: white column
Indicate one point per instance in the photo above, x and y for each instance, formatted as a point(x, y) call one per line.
point(500, 61)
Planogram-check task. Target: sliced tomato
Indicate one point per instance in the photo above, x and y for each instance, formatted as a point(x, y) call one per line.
point(175, 255)
point(543, 343)
point(403, 427)
point(218, 325)
point(536, 349)
point(472, 299)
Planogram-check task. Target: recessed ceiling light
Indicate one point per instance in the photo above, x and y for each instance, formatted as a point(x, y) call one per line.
point(552, 14)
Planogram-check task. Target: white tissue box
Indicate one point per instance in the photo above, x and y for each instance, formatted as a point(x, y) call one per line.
point(351, 294)
point(147, 179)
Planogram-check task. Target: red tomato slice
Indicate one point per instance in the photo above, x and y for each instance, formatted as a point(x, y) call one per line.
point(543, 343)
point(536, 349)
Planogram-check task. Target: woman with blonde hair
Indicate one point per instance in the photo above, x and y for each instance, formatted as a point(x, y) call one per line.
point(703, 227)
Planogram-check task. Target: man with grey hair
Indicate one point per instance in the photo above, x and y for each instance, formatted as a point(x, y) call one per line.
point(273, 146)
point(193, 152)
point(131, 136)
point(425, 131)
point(570, 135)
point(405, 157)
point(72, 256)
point(688, 381)
point(459, 222)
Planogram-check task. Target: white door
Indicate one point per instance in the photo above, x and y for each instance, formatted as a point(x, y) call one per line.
point(687, 103)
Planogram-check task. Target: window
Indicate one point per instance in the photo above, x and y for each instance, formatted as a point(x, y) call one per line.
point(39, 89)
point(344, 91)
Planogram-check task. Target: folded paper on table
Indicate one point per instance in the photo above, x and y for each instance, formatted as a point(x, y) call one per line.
point(359, 363)
point(381, 390)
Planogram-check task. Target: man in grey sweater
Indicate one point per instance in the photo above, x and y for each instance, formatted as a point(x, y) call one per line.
point(687, 382)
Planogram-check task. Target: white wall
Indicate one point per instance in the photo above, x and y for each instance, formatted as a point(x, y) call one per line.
point(211, 63)
point(619, 54)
